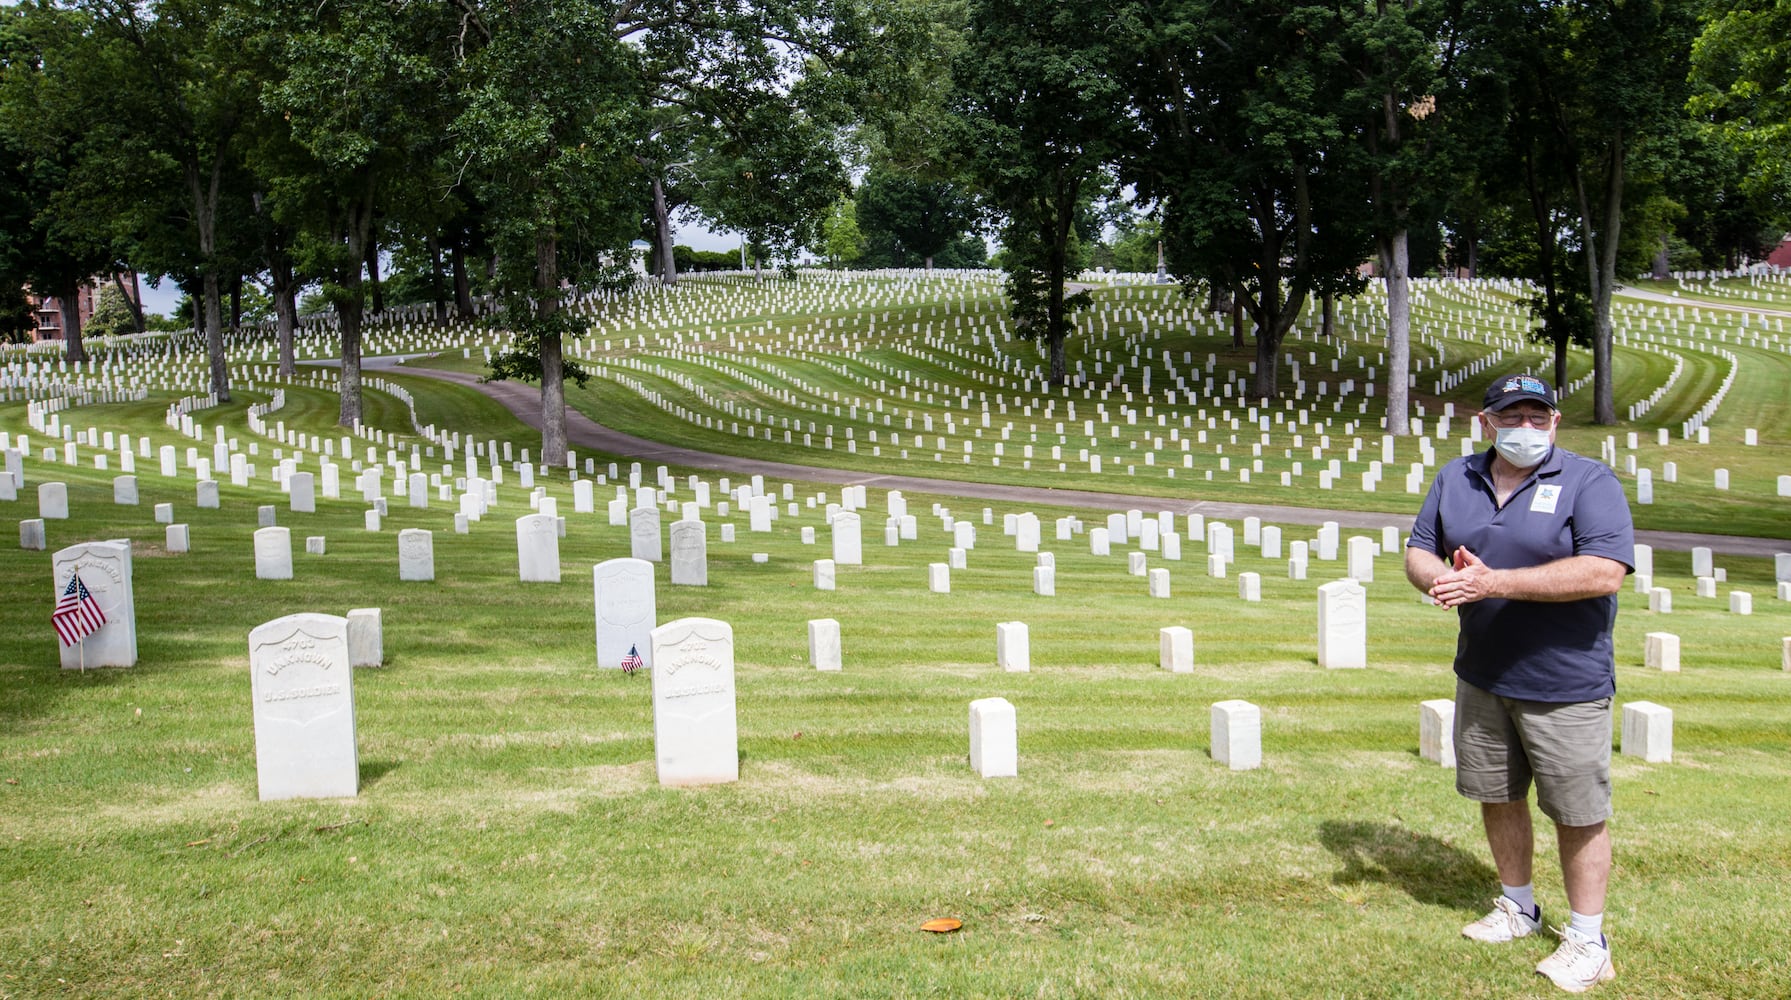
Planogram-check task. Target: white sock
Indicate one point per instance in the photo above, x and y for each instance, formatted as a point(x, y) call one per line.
point(1589, 927)
point(1524, 896)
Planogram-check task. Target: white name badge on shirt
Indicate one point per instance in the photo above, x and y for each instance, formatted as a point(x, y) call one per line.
point(1546, 497)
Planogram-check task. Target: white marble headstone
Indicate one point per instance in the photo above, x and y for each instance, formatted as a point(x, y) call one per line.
point(1237, 734)
point(994, 738)
point(1342, 625)
point(1013, 647)
point(1436, 731)
point(626, 610)
point(302, 493)
point(52, 501)
point(695, 730)
point(538, 548)
point(690, 553)
point(1647, 732)
point(848, 539)
point(105, 569)
point(273, 553)
point(824, 643)
point(1175, 649)
point(303, 693)
point(643, 534)
point(416, 554)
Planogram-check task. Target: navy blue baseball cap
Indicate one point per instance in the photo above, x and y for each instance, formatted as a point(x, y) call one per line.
point(1516, 389)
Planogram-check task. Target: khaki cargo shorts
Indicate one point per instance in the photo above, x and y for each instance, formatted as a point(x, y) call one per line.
point(1502, 744)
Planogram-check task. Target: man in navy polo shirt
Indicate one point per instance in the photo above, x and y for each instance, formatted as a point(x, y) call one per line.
point(1530, 544)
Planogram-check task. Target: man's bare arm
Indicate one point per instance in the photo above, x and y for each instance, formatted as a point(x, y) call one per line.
point(1571, 579)
point(1422, 567)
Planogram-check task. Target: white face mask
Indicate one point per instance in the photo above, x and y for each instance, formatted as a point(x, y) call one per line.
point(1523, 446)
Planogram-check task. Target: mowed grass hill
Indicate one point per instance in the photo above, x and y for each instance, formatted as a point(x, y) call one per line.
point(510, 837)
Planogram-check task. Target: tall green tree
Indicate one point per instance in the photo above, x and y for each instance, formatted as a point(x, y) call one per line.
point(1613, 82)
point(62, 239)
point(1403, 58)
point(174, 100)
point(551, 111)
point(361, 87)
point(1041, 112)
point(840, 235)
point(751, 104)
point(773, 174)
point(1246, 140)
point(1741, 69)
point(921, 217)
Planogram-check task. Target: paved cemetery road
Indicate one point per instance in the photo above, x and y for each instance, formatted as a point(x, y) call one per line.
point(1665, 299)
point(524, 401)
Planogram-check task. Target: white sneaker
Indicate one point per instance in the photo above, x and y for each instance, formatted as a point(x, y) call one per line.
point(1506, 922)
point(1579, 964)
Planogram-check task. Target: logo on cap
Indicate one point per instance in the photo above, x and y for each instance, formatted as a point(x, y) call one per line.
point(1525, 383)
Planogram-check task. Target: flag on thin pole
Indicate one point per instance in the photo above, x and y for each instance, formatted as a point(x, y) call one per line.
point(632, 661)
point(77, 613)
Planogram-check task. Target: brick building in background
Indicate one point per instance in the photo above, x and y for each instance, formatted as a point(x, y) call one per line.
point(1781, 258)
point(47, 310)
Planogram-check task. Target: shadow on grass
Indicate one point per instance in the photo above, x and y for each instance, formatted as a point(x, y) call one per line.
point(373, 770)
point(35, 689)
point(1421, 866)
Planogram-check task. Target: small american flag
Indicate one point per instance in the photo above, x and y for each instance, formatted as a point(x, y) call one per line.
point(77, 613)
point(632, 661)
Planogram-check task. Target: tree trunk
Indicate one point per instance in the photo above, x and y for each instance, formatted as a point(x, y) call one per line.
point(438, 288)
point(1268, 346)
point(1395, 263)
point(214, 334)
point(1601, 266)
point(236, 304)
point(348, 313)
point(284, 287)
point(463, 285)
point(553, 366)
point(378, 295)
point(68, 301)
point(1327, 324)
point(1057, 235)
point(134, 301)
point(1662, 260)
point(358, 230)
point(662, 235)
point(205, 217)
point(1560, 364)
point(929, 262)
point(1237, 320)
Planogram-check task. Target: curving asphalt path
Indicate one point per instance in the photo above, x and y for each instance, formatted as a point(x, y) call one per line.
point(524, 402)
point(1648, 295)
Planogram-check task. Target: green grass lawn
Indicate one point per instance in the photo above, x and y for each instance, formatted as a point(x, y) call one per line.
point(510, 837)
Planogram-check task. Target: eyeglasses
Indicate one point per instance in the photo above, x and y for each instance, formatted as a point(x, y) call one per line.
point(1540, 420)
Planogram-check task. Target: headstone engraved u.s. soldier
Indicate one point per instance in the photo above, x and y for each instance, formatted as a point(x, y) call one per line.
point(303, 691)
point(105, 569)
point(695, 735)
point(627, 610)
